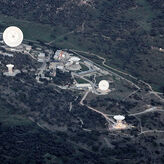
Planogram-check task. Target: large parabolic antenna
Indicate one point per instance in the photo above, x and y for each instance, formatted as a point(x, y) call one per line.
point(12, 36)
point(119, 124)
point(103, 85)
point(119, 117)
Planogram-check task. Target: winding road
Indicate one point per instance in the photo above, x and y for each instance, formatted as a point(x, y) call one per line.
point(134, 78)
point(95, 110)
point(153, 109)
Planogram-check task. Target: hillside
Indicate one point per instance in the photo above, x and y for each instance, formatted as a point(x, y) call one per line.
point(127, 33)
point(53, 112)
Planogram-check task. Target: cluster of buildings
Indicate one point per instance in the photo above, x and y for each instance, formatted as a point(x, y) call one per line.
point(83, 86)
point(65, 61)
point(23, 48)
point(62, 60)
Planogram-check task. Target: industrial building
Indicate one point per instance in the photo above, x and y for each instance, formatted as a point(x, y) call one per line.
point(74, 59)
point(73, 66)
point(61, 55)
point(84, 86)
point(41, 57)
point(85, 73)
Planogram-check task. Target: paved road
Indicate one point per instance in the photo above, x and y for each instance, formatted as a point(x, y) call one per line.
point(95, 110)
point(153, 109)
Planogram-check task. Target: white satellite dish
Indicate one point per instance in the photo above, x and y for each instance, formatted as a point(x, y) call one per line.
point(119, 124)
point(103, 85)
point(74, 59)
point(12, 36)
point(119, 117)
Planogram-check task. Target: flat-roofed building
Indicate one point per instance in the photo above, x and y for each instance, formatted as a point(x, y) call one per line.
point(84, 86)
point(41, 57)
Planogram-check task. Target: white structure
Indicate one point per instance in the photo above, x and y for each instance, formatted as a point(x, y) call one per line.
point(88, 63)
point(71, 66)
point(12, 36)
point(161, 49)
point(74, 59)
point(28, 47)
point(41, 57)
point(6, 54)
point(11, 72)
point(103, 86)
point(61, 55)
point(52, 65)
point(68, 64)
point(84, 86)
point(61, 67)
point(10, 68)
point(119, 124)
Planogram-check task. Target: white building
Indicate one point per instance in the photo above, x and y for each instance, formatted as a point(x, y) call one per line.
point(28, 47)
point(84, 86)
point(41, 57)
point(61, 55)
point(52, 65)
point(74, 59)
point(61, 67)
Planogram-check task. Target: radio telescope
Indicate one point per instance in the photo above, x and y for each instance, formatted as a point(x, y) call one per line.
point(119, 124)
point(104, 85)
point(12, 36)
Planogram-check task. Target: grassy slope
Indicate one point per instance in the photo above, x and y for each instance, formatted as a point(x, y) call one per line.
point(32, 30)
